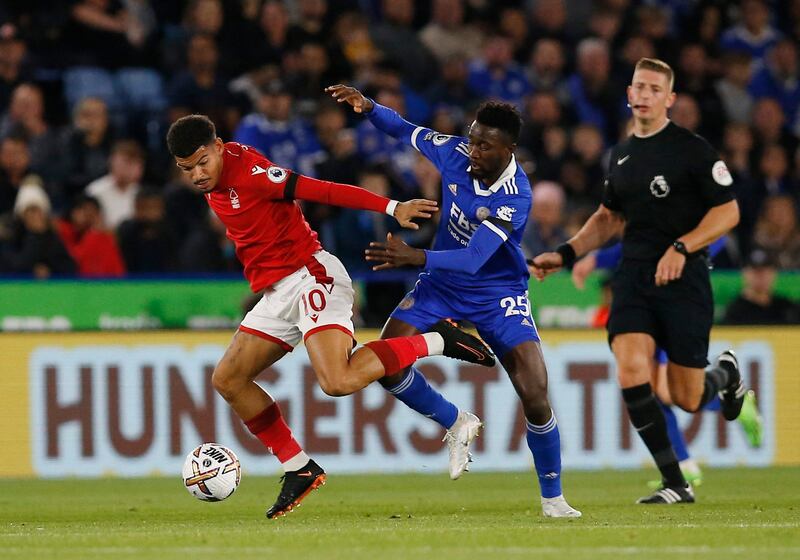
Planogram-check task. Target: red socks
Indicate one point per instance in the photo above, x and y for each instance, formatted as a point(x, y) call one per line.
point(398, 353)
point(270, 427)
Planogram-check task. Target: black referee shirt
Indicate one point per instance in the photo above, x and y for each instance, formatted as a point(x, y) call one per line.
point(663, 185)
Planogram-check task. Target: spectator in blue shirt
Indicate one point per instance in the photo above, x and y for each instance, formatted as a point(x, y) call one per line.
point(779, 79)
point(496, 75)
point(754, 34)
point(287, 140)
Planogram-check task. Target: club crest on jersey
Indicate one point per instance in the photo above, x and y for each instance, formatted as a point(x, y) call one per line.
point(406, 303)
point(453, 188)
point(276, 174)
point(659, 186)
point(506, 213)
point(234, 196)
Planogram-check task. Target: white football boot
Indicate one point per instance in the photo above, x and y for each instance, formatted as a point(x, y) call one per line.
point(458, 438)
point(558, 507)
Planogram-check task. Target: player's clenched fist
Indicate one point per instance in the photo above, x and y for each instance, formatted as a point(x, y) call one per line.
point(347, 94)
point(545, 264)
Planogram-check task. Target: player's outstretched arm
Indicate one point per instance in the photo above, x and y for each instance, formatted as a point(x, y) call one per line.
point(485, 241)
point(603, 225)
point(301, 187)
point(384, 118)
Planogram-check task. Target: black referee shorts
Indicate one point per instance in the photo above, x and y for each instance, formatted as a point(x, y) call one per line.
point(678, 316)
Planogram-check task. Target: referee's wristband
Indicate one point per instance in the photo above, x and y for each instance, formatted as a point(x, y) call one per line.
point(567, 253)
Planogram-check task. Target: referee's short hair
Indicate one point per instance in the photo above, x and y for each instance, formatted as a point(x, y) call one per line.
point(502, 116)
point(188, 133)
point(657, 65)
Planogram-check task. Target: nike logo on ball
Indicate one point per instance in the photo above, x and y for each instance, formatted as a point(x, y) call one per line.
point(623, 160)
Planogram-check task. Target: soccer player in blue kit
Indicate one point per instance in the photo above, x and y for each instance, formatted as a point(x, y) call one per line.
point(476, 271)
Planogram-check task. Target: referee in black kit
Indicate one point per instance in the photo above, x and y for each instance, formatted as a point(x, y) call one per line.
point(669, 195)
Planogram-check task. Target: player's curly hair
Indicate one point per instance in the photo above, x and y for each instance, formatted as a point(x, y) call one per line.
point(188, 133)
point(502, 116)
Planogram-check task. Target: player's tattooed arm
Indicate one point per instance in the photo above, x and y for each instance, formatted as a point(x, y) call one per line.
point(394, 253)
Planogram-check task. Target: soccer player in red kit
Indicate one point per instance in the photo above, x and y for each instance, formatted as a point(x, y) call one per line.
point(307, 293)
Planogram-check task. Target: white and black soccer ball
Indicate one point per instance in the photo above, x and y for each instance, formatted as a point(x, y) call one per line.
point(211, 472)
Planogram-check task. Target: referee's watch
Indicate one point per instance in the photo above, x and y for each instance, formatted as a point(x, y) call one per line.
point(681, 248)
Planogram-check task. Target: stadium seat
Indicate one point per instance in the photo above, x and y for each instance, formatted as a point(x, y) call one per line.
point(141, 89)
point(90, 81)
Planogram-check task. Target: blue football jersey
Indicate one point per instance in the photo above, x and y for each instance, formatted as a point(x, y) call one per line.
point(467, 203)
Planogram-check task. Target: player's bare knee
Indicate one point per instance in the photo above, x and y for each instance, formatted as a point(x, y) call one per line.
point(225, 382)
point(334, 383)
point(686, 400)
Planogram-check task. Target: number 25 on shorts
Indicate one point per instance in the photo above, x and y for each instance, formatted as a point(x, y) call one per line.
point(518, 306)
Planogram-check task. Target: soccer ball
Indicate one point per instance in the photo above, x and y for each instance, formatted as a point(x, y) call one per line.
point(211, 472)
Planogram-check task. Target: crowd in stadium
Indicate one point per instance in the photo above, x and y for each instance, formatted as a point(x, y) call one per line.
point(88, 88)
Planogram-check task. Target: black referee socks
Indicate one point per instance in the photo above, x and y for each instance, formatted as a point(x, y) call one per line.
point(717, 378)
point(648, 419)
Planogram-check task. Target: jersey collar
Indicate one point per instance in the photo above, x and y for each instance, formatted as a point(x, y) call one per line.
point(508, 173)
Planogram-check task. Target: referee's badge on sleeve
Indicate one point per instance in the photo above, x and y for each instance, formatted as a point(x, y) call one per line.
point(721, 174)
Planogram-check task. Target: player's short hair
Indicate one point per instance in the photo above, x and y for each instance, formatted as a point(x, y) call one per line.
point(659, 66)
point(189, 133)
point(502, 116)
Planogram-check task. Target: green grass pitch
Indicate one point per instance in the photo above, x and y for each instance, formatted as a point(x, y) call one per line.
point(741, 513)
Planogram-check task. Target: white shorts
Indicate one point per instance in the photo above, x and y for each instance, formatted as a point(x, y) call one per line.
point(313, 298)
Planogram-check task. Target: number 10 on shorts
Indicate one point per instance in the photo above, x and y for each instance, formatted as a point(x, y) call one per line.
point(518, 306)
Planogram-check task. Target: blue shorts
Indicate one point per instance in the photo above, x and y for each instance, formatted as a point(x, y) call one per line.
point(502, 318)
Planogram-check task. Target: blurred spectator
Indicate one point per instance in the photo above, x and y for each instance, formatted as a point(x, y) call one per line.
point(446, 35)
point(146, 241)
point(587, 151)
point(549, 19)
point(15, 67)
point(514, 25)
point(732, 88)
point(285, 139)
point(595, 99)
point(753, 34)
point(93, 249)
point(269, 42)
point(777, 231)
point(375, 147)
point(769, 126)
point(685, 112)
point(34, 247)
point(117, 190)
point(452, 87)
point(310, 24)
point(86, 145)
point(757, 304)
point(399, 42)
point(312, 76)
point(605, 23)
point(779, 79)
point(202, 88)
point(388, 76)
point(26, 113)
point(542, 110)
point(339, 162)
point(496, 75)
point(544, 231)
point(14, 167)
point(694, 78)
point(110, 33)
point(546, 69)
point(185, 206)
point(358, 48)
point(653, 23)
point(207, 249)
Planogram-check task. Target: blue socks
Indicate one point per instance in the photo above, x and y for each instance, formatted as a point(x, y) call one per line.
point(418, 395)
point(675, 434)
point(545, 445)
point(713, 404)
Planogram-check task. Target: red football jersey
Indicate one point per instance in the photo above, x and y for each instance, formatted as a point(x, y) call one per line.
point(271, 235)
